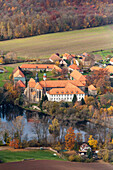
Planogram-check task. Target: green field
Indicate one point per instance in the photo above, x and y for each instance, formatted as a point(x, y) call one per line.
point(5, 76)
point(9, 156)
point(105, 53)
point(76, 42)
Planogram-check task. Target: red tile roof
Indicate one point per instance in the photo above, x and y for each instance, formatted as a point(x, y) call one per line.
point(57, 68)
point(17, 73)
point(54, 57)
point(95, 68)
point(110, 69)
point(111, 59)
point(32, 83)
point(60, 83)
point(68, 90)
point(40, 66)
point(38, 86)
point(78, 76)
point(17, 68)
point(67, 56)
point(74, 66)
point(91, 87)
point(20, 84)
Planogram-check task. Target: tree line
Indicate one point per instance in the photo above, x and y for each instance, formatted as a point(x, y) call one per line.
point(19, 18)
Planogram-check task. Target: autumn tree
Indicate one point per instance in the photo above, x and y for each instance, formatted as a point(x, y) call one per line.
point(54, 129)
point(100, 79)
point(14, 143)
point(70, 139)
point(92, 142)
point(36, 126)
point(13, 92)
point(17, 127)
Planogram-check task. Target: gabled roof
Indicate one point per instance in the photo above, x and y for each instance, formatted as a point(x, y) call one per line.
point(68, 90)
point(57, 68)
point(111, 59)
point(91, 87)
point(17, 73)
point(110, 69)
point(20, 84)
point(17, 68)
point(32, 83)
point(60, 83)
point(85, 54)
point(63, 62)
point(55, 57)
point(40, 66)
point(67, 56)
point(38, 86)
point(74, 66)
point(95, 68)
point(77, 76)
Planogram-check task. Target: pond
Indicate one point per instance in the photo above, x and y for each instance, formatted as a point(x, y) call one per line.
point(1, 71)
point(9, 112)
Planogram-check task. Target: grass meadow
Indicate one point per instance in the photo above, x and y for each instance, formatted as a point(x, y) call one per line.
point(76, 42)
point(5, 76)
point(14, 156)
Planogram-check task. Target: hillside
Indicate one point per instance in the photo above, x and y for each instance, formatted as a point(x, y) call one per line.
point(24, 18)
point(72, 42)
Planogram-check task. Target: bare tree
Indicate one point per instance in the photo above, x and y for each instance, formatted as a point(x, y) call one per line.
point(18, 127)
point(36, 127)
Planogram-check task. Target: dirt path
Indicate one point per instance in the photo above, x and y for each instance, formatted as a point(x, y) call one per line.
point(54, 165)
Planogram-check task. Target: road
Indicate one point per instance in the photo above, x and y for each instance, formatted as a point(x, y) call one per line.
point(54, 165)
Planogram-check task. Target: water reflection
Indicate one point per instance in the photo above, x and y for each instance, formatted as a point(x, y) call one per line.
point(9, 112)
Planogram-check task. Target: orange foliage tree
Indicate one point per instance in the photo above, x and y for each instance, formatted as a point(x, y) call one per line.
point(14, 143)
point(70, 139)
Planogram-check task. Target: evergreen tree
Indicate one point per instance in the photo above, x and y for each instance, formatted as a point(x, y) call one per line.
point(82, 101)
point(74, 99)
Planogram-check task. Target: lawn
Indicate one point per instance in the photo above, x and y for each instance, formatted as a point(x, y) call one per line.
point(76, 42)
point(5, 76)
point(9, 156)
point(104, 53)
point(40, 75)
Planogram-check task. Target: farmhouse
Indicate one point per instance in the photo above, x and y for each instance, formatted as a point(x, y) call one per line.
point(18, 75)
point(110, 70)
point(95, 68)
point(76, 75)
point(67, 56)
point(59, 89)
point(111, 61)
point(87, 60)
point(92, 90)
point(37, 67)
point(73, 67)
point(66, 94)
point(54, 58)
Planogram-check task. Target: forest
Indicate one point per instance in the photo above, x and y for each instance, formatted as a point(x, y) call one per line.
point(24, 18)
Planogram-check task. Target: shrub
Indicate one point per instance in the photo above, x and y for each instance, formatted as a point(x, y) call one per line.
point(89, 160)
point(33, 143)
point(71, 158)
point(106, 156)
point(75, 158)
point(1, 143)
point(24, 144)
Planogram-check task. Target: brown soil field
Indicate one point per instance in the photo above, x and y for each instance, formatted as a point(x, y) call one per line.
point(54, 165)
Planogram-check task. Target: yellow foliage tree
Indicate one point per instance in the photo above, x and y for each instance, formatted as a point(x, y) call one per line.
point(92, 142)
point(70, 139)
point(57, 63)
